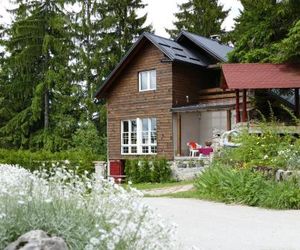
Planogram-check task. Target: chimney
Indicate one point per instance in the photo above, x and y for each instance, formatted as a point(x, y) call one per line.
point(216, 38)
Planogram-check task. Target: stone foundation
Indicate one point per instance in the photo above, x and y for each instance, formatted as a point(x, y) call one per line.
point(187, 169)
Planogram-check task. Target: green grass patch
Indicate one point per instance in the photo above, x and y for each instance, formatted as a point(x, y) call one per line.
point(191, 194)
point(244, 186)
point(149, 186)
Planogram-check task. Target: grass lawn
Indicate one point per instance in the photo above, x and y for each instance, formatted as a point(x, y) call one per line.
point(144, 186)
point(192, 194)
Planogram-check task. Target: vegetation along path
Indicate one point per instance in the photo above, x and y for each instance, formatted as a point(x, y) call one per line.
point(168, 190)
point(208, 225)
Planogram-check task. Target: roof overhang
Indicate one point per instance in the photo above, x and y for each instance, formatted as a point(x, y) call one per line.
point(260, 76)
point(204, 107)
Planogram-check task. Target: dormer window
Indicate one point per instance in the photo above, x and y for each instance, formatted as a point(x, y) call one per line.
point(147, 80)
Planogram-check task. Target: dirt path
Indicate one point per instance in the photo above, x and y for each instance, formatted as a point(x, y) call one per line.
point(168, 190)
point(209, 225)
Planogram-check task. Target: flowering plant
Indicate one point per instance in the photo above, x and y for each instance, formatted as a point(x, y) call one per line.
point(87, 213)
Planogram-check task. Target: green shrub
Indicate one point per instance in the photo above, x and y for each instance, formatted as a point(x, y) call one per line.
point(282, 195)
point(147, 170)
point(81, 160)
point(161, 170)
point(230, 185)
point(268, 149)
point(87, 139)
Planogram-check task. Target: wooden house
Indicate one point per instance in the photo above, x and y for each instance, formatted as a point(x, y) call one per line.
point(165, 93)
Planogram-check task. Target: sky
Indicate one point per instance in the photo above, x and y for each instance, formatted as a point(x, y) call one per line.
point(160, 13)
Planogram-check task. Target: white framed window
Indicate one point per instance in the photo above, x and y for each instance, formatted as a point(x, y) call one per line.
point(149, 140)
point(147, 80)
point(139, 136)
point(129, 137)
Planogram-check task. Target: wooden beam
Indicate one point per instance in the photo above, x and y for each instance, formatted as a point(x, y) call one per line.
point(228, 119)
point(215, 91)
point(237, 106)
point(216, 96)
point(178, 134)
point(297, 111)
point(245, 115)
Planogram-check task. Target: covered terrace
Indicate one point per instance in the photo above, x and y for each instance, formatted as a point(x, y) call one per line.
point(254, 76)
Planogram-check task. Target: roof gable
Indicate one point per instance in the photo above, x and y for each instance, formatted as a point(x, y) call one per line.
point(212, 47)
point(174, 51)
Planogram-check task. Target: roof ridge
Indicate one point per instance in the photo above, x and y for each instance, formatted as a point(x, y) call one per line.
point(152, 34)
point(207, 38)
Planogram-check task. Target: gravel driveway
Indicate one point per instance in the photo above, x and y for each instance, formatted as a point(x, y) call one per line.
point(209, 225)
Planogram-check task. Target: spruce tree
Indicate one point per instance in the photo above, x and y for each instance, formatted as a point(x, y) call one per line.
point(203, 17)
point(121, 27)
point(104, 32)
point(40, 100)
point(87, 32)
point(261, 25)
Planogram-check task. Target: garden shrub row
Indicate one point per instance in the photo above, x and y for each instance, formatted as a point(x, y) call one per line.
point(244, 186)
point(246, 174)
point(80, 160)
point(266, 149)
point(145, 170)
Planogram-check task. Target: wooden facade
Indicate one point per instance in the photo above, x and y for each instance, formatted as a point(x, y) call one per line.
point(126, 102)
point(179, 83)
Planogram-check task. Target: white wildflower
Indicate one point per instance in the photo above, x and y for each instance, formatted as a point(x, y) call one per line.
point(94, 241)
point(49, 200)
point(118, 214)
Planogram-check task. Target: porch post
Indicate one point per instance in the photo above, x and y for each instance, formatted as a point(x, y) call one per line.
point(245, 115)
point(237, 106)
point(178, 134)
point(228, 119)
point(297, 113)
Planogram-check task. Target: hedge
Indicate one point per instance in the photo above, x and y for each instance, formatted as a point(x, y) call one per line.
point(80, 160)
point(144, 170)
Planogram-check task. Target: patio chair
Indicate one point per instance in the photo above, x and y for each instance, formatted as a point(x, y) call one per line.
point(193, 148)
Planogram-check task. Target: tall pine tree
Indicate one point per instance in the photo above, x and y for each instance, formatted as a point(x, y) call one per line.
point(105, 30)
point(203, 17)
point(87, 32)
point(121, 27)
point(261, 25)
point(40, 106)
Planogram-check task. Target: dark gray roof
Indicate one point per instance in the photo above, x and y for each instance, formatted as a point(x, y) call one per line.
point(213, 47)
point(176, 52)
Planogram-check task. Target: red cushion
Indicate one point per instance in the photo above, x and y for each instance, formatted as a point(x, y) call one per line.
point(206, 150)
point(193, 145)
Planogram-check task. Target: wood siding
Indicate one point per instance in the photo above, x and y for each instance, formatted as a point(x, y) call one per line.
point(126, 102)
point(216, 95)
point(187, 81)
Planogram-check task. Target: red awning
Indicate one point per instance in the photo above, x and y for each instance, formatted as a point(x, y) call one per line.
point(260, 76)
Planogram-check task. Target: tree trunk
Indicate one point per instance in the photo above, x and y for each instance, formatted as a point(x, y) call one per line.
point(46, 110)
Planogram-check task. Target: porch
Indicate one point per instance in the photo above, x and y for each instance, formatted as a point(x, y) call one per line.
point(202, 122)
